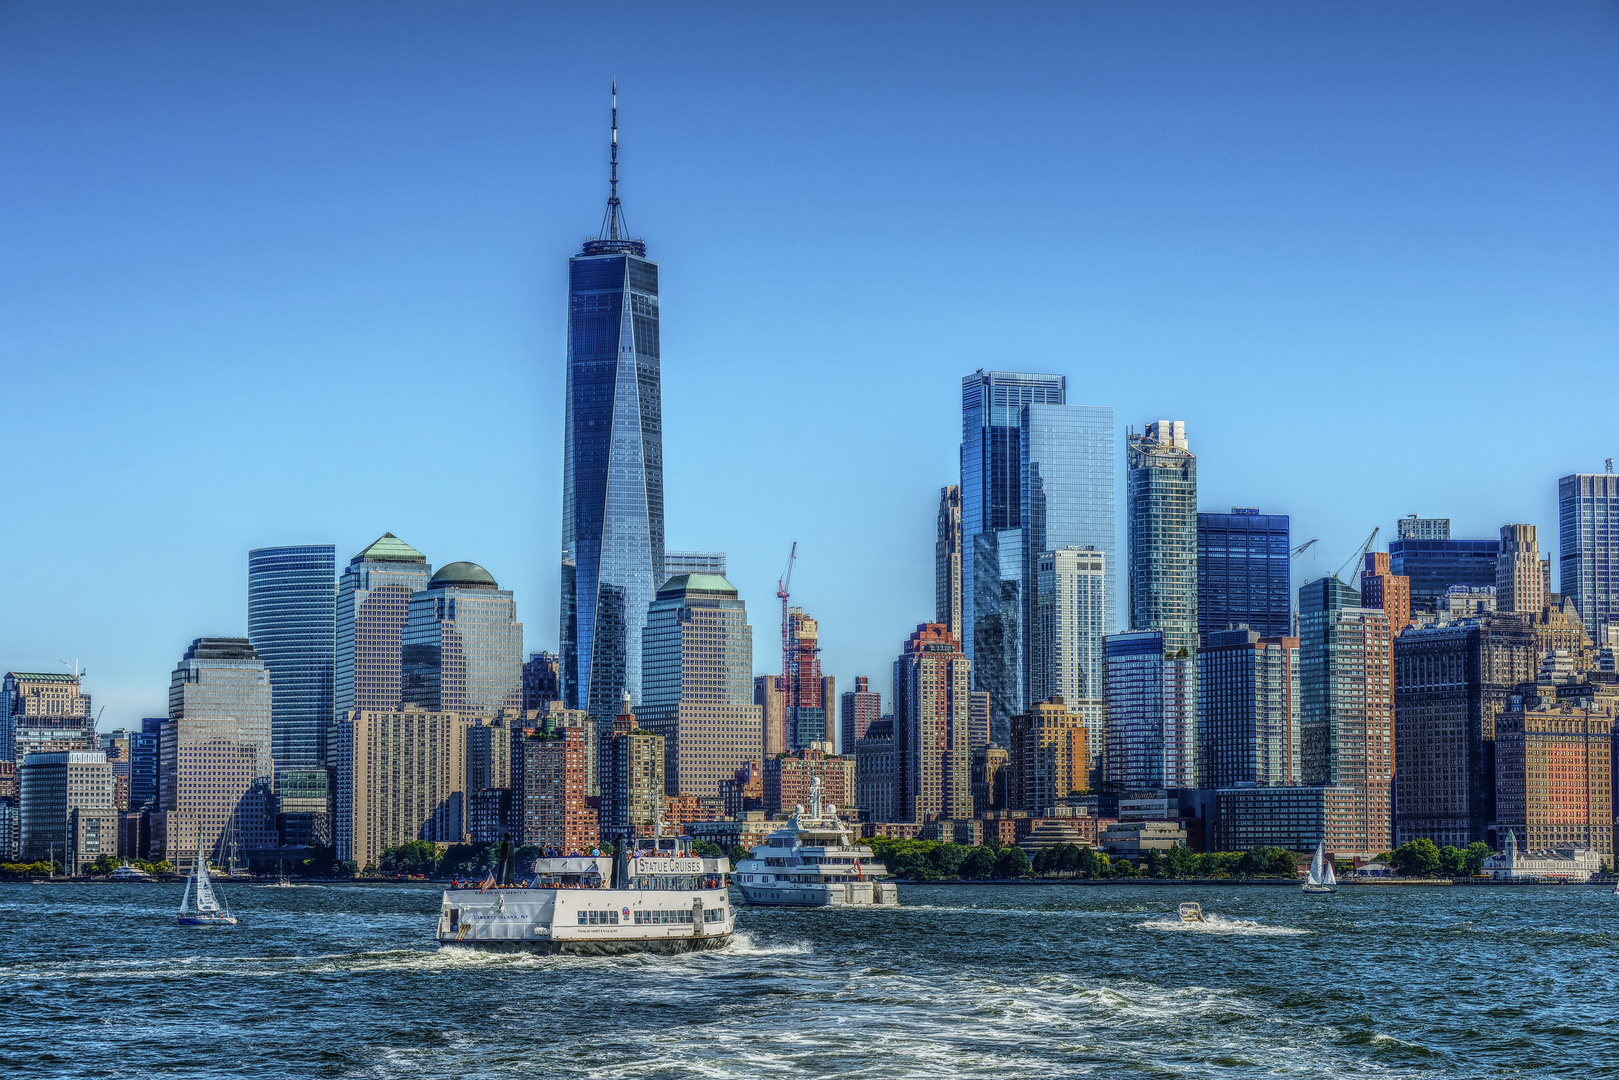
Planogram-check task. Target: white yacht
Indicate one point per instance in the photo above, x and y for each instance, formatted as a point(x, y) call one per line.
point(661, 898)
point(814, 862)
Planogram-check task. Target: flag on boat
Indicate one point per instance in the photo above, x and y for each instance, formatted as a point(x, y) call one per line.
point(858, 876)
point(488, 882)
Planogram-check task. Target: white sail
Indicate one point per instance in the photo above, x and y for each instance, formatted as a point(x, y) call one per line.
point(1327, 876)
point(206, 900)
point(1315, 867)
point(186, 899)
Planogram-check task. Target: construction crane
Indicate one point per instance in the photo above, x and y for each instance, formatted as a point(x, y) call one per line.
point(788, 657)
point(1364, 548)
point(1301, 549)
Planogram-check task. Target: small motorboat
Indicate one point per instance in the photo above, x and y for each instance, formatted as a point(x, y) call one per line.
point(1191, 911)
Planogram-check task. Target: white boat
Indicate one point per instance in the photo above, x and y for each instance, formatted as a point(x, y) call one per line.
point(209, 909)
point(126, 872)
point(1321, 878)
point(814, 862)
point(1191, 911)
point(659, 899)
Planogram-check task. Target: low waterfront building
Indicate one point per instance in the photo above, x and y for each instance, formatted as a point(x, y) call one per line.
point(1573, 863)
point(1295, 818)
point(1133, 838)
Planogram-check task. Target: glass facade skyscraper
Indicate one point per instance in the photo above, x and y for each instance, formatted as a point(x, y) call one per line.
point(612, 461)
point(291, 608)
point(1151, 714)
point(1588, 547)
point(994, 597)
point(462, 647)
point(1435, 565)
point(1162, 473)
point(1243, 573)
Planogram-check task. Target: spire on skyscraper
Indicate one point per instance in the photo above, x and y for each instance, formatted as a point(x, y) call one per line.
point(614, 237)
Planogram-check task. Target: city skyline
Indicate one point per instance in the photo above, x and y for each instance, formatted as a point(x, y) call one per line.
point(867, 591)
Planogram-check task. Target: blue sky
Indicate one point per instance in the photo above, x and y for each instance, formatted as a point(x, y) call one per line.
point(296, 273)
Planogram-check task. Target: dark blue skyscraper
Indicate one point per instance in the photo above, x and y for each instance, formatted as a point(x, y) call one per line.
point(612, 485)
point(992, 543)
point(1243, 573)
point(291, 601)
point(1435, 565)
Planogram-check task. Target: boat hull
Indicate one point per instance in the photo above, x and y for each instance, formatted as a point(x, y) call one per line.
point(873, 894)
point(192, 920)
point(598, 947)
point(1318, 890)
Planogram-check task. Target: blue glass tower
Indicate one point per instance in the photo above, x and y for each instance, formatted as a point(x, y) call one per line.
point(1243, 573)
point(1435, 565)
point(291, 605)
point(993, 597)
point(612, 484)
point(1068, 461)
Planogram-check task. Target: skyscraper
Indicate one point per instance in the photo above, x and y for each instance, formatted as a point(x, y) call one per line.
point(462, 647)
point(1588, 546)
point(632, 783)
point(291, 612)
point(1520, 582)
point(1048, 759)
point(1346, 713)
point(216, 768)
point(931, 719)
point(1162, 481)
point(1068, 462)
point(1243, 573)
point(805, 706)
point(698, 667)
point(612, 482)
point(44, 712)
point(693, 562)
point(401, 775)
point(947, 561)
point(373, 605)
point(541, 680)
point(768, 695)
point(65, 799)
point(1382, 588)
point(1151, 739)
point(1067, 651)
point(992, 541)
point(1248, 710)
point(862, 706)
point(1434, 565)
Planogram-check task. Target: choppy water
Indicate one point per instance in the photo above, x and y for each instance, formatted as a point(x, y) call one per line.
point(962, 981)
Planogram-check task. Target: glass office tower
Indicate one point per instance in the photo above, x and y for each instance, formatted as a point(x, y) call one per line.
point(1435, 565)
point(291, 605)
point(1243, 573)
point(373, 604)
point(1588, 546)
point(1162, 474)
point(992, 546)
point(612, 480)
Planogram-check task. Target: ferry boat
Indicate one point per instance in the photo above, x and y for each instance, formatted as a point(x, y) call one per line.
point(660, 898)
point(814, 862)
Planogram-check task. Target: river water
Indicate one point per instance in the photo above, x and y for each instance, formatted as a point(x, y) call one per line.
point(1015, 981)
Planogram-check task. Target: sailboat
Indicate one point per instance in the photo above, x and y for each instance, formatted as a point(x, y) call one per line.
point(1321, 878)
point(209, 911)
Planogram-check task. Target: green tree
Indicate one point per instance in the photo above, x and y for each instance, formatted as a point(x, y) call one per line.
point(1043, 862)
point(1124, 868)
point(411, 857)
point(1152, 863)
point(1180, 862)
point(1091, 863)
point(1416, 858)
point(992, 840)
point(104, 864)
point(979, 864)
point(1475, 854)
point(346, 868)
point(946, 858)
point(736, 854)
point(1219, 864)
point(466, 860)
point(1452, 861)
point(707, 849)
point(1013, 862)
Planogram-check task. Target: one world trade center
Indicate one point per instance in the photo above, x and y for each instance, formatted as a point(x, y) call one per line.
point(612, 484)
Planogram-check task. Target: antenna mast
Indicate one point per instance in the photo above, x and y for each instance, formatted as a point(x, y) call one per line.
point(613, 227)
point(789, 655)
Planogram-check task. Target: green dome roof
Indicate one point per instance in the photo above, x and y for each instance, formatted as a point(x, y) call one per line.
point(464, 575)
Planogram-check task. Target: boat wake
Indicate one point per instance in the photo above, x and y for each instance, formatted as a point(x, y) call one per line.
point(1219, 924)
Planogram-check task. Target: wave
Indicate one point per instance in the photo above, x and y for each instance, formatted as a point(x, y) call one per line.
point(1219, 924)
